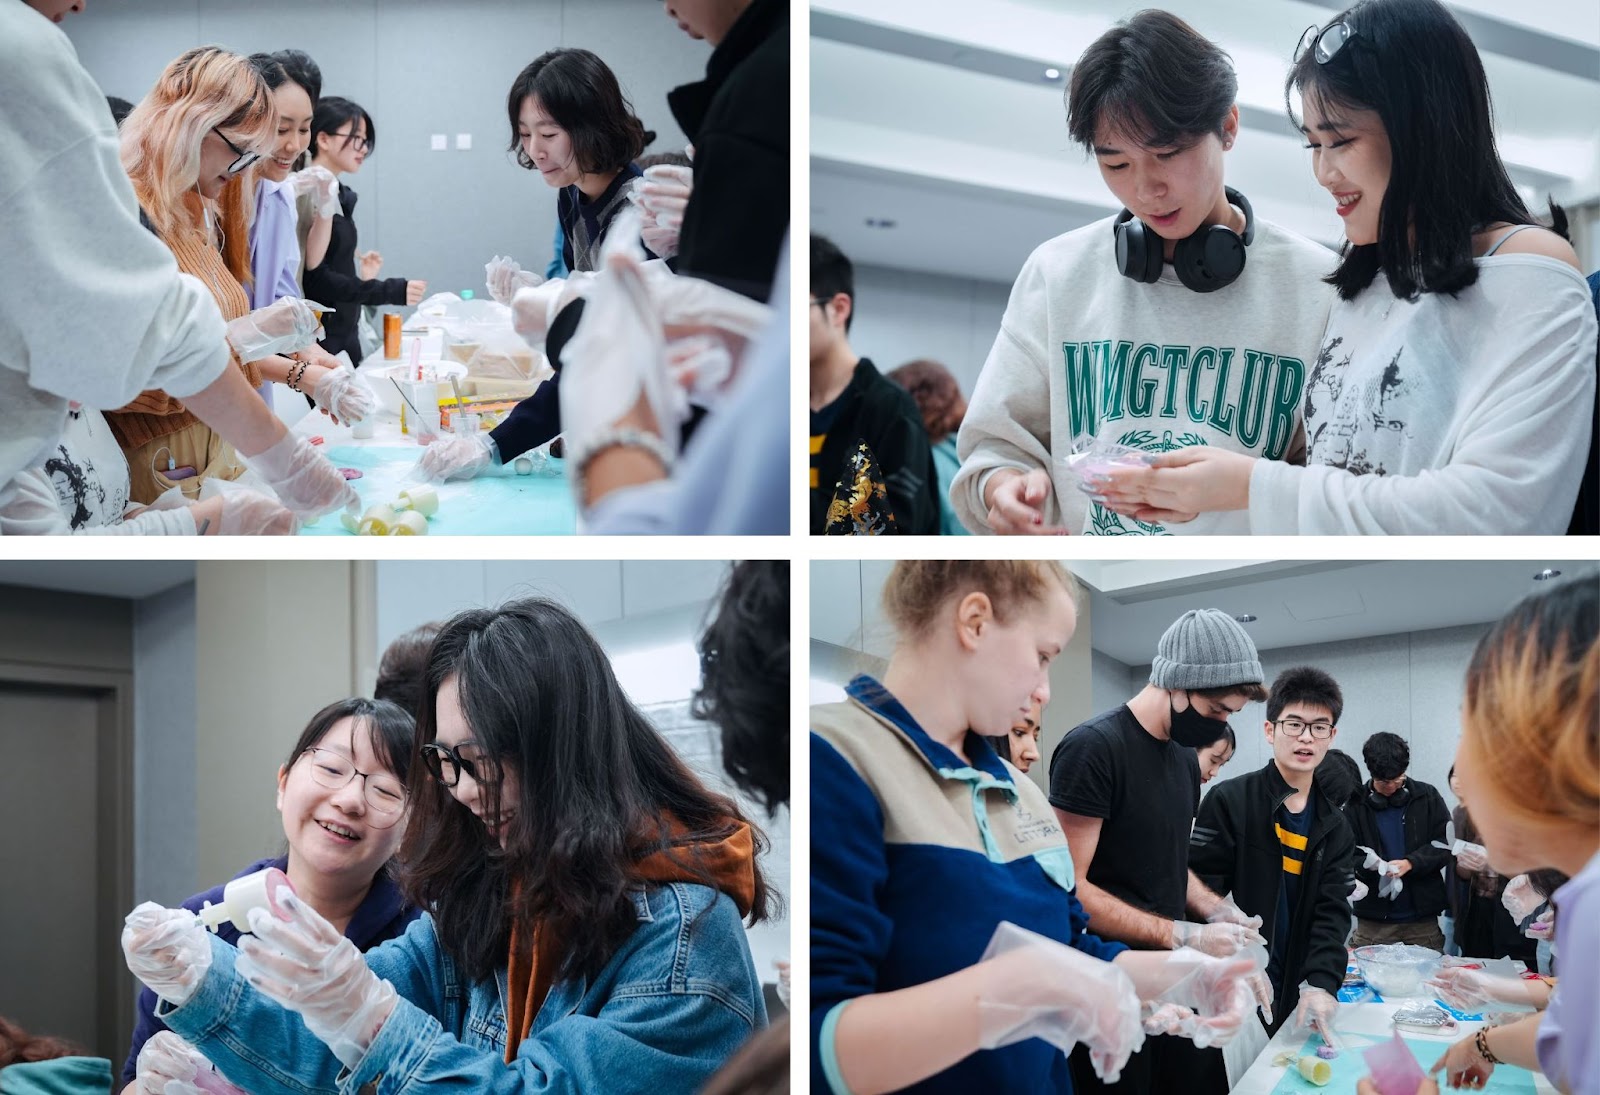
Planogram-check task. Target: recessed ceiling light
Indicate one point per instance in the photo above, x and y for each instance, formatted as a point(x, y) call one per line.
point(1052, 74)
point(880, 222)
point(1245, 618)
point(1546, 574)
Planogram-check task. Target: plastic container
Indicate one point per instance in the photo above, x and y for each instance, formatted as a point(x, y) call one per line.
point(261, 890)
point(1315, 1069)
point(1397, 970)
point(1394, 1071)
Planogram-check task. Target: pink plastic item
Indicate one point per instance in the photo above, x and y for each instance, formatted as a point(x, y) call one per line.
point(351, 473)
point(1394, 1070)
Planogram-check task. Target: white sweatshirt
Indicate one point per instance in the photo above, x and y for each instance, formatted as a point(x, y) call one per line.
point(82, 488)
point(1084, 350)
point(92, 307)
point(1445, 415)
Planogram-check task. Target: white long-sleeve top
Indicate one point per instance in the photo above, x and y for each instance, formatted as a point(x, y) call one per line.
point(82, 489)
point(92, 306)
point(1463, 415)
point(1083, 350)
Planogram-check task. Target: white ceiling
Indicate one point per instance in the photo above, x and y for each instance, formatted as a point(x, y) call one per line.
point(1297, 603)
point(128, 579)
point(945, 123)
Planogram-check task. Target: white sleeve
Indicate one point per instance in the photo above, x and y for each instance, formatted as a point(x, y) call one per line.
point(34, 510)
point(1007, 424)
point(92, 307)
point(1516, 467)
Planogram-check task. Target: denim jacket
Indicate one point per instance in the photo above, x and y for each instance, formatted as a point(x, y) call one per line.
point(672, 1005)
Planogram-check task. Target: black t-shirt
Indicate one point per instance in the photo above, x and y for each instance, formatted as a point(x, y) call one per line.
point(1293, 833)
point(1147, 792)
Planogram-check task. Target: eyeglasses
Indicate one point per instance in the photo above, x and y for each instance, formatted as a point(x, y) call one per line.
point(245, 159)
point(360, 144)
point(385, 795)
point(1327, 42)
point(1322, 731)
point(446, 763)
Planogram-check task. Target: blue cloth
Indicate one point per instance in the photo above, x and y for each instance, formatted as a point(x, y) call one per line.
point(676, 1000)
point(557, 266)
point(382, 915)
point(58, 1076)
point(274, 252)
point(1289, 893)
point(1392, 840)
point(886, 916)
point(945, 465)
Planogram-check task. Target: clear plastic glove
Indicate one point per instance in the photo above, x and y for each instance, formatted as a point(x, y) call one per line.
point(1219, 991)
point(662, 196)
point(1474, 857)
point(534, 310)
point(167, 949)
point(1390, 884)
point(322, 185)
point(1358, 891)
point(1474, 990)
point(1229, 913)
point(303, 478)
point(783, 979)
point(251, 513)
point(1039, 988)
point(168, 1065)
point(344, 395)
point(1543, 926)
point(306, 965)
point(1317, 1011)
point(504, 277)
point(282, 327)
point(1220, 940)
point(1521, 899)
point(455, 457)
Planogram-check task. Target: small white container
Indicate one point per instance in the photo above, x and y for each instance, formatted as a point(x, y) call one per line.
point(261, 890)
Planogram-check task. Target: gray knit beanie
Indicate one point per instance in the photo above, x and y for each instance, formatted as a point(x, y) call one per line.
point(1205, 648)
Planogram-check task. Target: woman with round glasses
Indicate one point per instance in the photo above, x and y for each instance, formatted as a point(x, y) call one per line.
point(342, 794)
point(1455, 388)
point(342, 137)
point(584, 892)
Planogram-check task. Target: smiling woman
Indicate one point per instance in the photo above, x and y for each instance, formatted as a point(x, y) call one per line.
point(341, 793)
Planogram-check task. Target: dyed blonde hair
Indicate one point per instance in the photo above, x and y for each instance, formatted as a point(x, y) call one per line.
point(1532, 711)
point(917, 590)
point(207, 88)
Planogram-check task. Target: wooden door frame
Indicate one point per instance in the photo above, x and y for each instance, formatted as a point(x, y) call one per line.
point(112, 693)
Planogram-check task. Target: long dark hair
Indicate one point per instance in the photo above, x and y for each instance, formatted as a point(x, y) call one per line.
point(1414, 65)
point(598, 790)
point(582, 96)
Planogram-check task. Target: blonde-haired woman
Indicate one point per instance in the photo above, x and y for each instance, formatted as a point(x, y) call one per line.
point(185, 148)
point(923, 842)
point(1532, 720)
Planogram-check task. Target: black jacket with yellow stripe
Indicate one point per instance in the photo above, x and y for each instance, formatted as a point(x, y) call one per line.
point(1235, 849)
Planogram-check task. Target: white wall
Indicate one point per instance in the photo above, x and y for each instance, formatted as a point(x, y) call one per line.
point(1112, 683)
point(165, 830)
point(901, 316)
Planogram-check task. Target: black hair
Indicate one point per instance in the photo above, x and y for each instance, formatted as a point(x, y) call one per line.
point(599, 790)
point(1339, 776)
point(1546, 881)
point(1001, 744)
point(1307, 685)
point(389, 725)
point(1153, 77)
point(332, 113)
point(120, 108)
point(271, 70)
point(302, 70)
point(401, 669)
point(744, 678)
point(832, 274)
point(1229, 737)
point(1387, 755)
point(582, 96)
point(1413, 64)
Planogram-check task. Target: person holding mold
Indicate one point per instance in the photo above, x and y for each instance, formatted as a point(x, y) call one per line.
point(343, 800)
point(582, 916)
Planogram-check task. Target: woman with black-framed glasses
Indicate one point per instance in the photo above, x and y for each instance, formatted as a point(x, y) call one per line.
point(342, 137)
point(343, 800)
point(1454, 391)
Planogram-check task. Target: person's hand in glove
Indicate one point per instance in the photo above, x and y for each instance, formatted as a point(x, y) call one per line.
point(1227, 912)
point(343, 395)
point(167, 949)
point(1474, 990)
point(1474, 857)
point(534, 309)
point(504, 277)
point(237, 511)
point(1221, 940)
point(305, 964)
point(1521, 899)
point(303, 478)
point(1316, 1011)
point(282, 327)
point(1035, 987)
point(1219, 991)
point(322, 185)
point(456, 457)
point(1358, 891)
point(663, 194)
point(168, 1065)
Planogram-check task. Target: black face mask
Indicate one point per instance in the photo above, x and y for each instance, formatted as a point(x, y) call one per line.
point(1379, 801)
point(1191, 729)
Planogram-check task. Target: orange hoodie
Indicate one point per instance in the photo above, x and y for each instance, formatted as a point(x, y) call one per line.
point(729, 860)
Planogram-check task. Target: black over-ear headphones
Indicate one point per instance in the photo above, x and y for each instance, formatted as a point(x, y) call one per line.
point(1209, 260)
point(1380, 801)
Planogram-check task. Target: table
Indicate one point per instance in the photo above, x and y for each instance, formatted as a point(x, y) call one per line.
point(1360, 1025)
point(497, 501)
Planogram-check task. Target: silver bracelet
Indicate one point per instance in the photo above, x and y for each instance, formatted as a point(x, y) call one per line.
point(625, 438)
